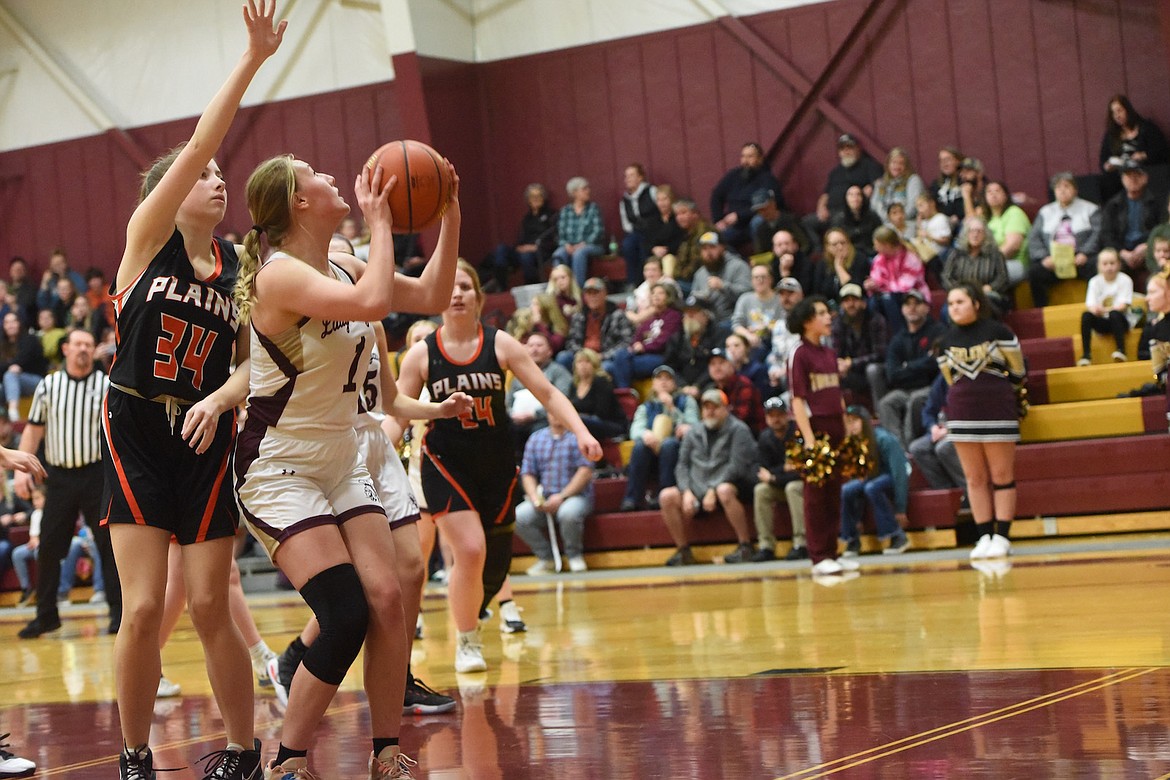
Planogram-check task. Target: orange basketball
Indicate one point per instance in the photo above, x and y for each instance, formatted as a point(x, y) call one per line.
point(424, 183)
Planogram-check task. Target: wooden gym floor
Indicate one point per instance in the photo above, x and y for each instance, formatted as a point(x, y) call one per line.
point(1052, 666)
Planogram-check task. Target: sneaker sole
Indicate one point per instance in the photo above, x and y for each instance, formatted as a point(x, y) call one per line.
point(427, 709)
point(479, 666)
point(513, 628)
point(273, 668)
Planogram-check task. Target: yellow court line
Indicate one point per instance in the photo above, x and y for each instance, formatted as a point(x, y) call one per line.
point(951, 729)
point(61, 770)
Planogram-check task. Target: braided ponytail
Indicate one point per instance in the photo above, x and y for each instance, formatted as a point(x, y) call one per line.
point(269, 193)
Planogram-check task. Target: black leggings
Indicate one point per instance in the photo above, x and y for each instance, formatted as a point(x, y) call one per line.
point(1115, 323)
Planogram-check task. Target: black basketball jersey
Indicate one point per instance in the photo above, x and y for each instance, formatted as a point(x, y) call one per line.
point(486, 426)
point(176, 334)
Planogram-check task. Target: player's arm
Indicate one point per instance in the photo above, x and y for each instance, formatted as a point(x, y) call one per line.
point(430, 293)
point(201, 420)
point(405, 407)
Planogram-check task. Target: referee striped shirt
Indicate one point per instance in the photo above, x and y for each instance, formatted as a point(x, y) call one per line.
point(70, 409)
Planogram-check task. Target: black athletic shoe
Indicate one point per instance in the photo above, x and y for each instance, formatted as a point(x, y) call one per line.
point(797, 554)
point(230, 765)
point(421, 699)
point(743, 554)
point(763, 554)
point(137, 765)
point(37, 627)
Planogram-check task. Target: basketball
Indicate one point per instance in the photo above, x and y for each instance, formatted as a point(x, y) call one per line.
point(424, 183)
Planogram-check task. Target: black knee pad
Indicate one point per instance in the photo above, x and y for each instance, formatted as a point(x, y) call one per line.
point(1007, 486)
point(337, 599)
point(497, 561)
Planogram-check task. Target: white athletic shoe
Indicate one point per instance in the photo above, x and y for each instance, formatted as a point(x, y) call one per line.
point(999, 547)
point(396, 767)
point(469, 653)
point(291, 769)
point(273, 670)
point(848, 564)
point(981, 547)
point(167, 689)
point(540, 567)
point(826, 567)
point(12, 765)
point(510, 620)
point(577, 564)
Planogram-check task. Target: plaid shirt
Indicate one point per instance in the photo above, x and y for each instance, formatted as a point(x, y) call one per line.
point(573, 228)
point(554, 460)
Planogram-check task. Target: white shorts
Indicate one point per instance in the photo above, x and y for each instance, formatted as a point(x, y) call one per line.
point(389, 477)
point(294, 484)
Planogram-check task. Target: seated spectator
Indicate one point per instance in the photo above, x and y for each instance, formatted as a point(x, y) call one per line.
point(22, 362)
point(594, 399)
point(972, 185)
point(1009, 226)
point(722, 278)
point(976, 260)
point(1107, 299)
point(681, 266)
point(854, 168)
point(896, 271)
point(558, 481)
point(932, 235)
point(769, 219)
point(1127, 219)
point(784, 341)
point(661, 233)
point(541, 316)
point(860, 337)
point(738, 352)
point(1160, 253)
point(409, 255)
point(580, 230)
point(527, 413)
point(896, 220)
point(1068, 221)
point(564, 287)
point(934, 452)
point(715, 469)
point(1130, 136)
point(22, 290)
point(638, 204)
point(897, 184)
point(731, 200)
point(535, 242)
point(97, 292)
point(857, 220)
point(840, 264)
point(777, 478)
point(740, 393)
point(51, 334)
point(79, 545)
point(59, 269)
point(59, 297)
point(910, 369)
point(756, 312)
point(600, 326)
point(1158, 302)
point(947, 189)
point(701, 335)
point(885, 486)
point(789, 260)
point(82, 316)
point(651, 339)
point(659, 425)
point(638, 302)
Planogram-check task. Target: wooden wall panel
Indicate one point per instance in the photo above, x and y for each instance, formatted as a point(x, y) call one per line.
point(1020, 135)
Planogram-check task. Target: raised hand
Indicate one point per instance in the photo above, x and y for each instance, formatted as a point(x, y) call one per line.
point(373, 196)
point(263, 38)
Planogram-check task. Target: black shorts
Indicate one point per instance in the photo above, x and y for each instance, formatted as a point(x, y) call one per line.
point(483, 482)
point(155, 478)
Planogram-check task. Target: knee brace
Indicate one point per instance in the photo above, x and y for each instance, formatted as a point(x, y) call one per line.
point(496, 562)
point(1006, 486)
point(337, 599)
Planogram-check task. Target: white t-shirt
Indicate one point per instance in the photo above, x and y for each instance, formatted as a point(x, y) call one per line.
point(1109, 295)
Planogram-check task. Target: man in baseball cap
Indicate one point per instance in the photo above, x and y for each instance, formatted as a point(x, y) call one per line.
point(777, 481)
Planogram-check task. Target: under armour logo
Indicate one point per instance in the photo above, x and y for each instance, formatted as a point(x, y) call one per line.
point(287, 472)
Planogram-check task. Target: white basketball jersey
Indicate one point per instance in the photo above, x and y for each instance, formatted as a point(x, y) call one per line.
point(370, 410)
point(311, 376)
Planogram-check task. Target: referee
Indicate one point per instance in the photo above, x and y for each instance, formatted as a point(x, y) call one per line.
point(66, 415)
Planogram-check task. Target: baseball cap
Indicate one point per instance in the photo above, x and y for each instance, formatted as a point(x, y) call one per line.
point(695, 302)
point(857, 410)
point(916, 294)
point(713, 396)
point(789, 284)
point(851, 289)
point(1131, 164)
point(665, 369)
point(846, 139)
point(775, 404)
point(718, 352)
point(710, 238)
point(972, 164)
point(594, 283)
point(760, 199)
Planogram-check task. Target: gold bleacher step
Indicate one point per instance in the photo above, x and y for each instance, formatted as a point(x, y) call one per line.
point(1083, 420)
point(1096, 382)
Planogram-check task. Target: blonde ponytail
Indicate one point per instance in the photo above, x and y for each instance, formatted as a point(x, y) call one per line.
point(269, 193)
point(245, 290)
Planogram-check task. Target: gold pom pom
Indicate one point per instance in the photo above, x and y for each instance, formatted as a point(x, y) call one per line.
point(853, 461)
point(815, 464)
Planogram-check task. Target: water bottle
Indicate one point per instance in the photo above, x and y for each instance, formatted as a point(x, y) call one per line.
point(613, 244)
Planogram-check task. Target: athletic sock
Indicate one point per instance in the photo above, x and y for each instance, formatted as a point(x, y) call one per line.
point(284, 754)
point(260, 653)
point(984, 529)
point(1003, 528)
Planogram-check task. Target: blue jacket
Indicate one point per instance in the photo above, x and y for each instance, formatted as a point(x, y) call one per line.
point(893, 462)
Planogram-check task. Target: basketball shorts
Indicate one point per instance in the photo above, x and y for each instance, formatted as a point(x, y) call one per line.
point(155, 478)
point(287, 484)
point(389, 477)
point(483, 482)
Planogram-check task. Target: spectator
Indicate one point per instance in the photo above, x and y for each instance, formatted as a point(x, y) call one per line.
point(723, 277)
point(1158, 301)
point(715, 469)
point(731, 200)
point(59, 297)
point(563, 285)
point(895, 272)
point(22, 362)
point(1153, 263)
point(896, 219)
point(932, 235)
point(97, 292)
point(933, 451)
point(757, 311)
point(857, 220)
point(639, 203)
point(652, 338)
point(1128, 218)
point(1107, 300)
point(910, 368)
point(742, 396)
point(638, 302)
point(59, 269)
point(20, 288)
point(542, 315)
point(51, 334)
point(976, 259)
point(1068, 221)
point(701, 335)
point(855, 168)
point(777, 478)
point(409, 255)
point(897, 184)
point(1130, 136)
point(84, 317)
point(535, 242)
point(682, 265)
point(789, 260)
point(600, 326)
point(784, 341)
point(884, 484)
point(661, 234)
point(947, 188)
point(659, 425)
point(527, 414)
point(580, 230)
point(972, 185)
point(860, 337)
point(594, 399)
point(80, 544)
point(1009, 226)
point(558, 481)
point(769, 218)
point(738, 352)
point(841, 264)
